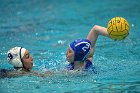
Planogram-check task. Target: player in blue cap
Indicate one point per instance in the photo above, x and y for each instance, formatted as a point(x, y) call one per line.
point(80, 52)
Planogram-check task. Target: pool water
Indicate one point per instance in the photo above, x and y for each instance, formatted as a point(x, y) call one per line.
point(46, 27)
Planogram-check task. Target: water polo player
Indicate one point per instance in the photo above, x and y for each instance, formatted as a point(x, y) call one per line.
point(77, 54)
point(20, 58)
point(80, 52)
point(22, 62)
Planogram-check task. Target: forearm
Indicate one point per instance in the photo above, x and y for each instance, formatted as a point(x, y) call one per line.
point(94, 32)
point(41, 74)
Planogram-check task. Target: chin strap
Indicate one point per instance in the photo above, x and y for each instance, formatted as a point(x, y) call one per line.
point(21, 58)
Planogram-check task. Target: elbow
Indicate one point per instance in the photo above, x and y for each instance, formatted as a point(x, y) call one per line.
point(95, 29)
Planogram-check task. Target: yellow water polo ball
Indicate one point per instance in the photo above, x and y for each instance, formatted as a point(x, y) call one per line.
point(118, 28)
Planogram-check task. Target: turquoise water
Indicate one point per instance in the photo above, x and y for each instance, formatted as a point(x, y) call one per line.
point(46, 27)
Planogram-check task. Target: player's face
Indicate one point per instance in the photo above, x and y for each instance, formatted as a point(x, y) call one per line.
point(27, 60)
point(70, 55)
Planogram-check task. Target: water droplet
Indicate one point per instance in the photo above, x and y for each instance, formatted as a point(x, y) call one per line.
point(133, 25)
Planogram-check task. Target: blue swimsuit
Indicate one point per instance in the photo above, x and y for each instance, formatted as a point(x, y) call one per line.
point(87, 66)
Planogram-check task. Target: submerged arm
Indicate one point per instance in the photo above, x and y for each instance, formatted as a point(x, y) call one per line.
point(41, 74)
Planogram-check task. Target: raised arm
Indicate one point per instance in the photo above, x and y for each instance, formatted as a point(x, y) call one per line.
point(94, 32)
point(93, 35)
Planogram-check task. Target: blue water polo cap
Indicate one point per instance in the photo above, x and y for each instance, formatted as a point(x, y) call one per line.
point(81, 48)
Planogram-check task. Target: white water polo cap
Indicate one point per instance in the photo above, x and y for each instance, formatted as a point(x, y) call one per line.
point(15, 55)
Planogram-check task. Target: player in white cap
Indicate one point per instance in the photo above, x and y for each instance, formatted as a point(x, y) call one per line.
point(22, 61)
point(20, 58)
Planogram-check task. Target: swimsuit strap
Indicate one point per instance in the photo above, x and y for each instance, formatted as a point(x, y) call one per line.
point(88, 64)
point(70, 66)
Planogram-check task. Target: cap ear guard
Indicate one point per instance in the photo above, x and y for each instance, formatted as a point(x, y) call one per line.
point(14, 56)
point(16, 62)
point(79, 56)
